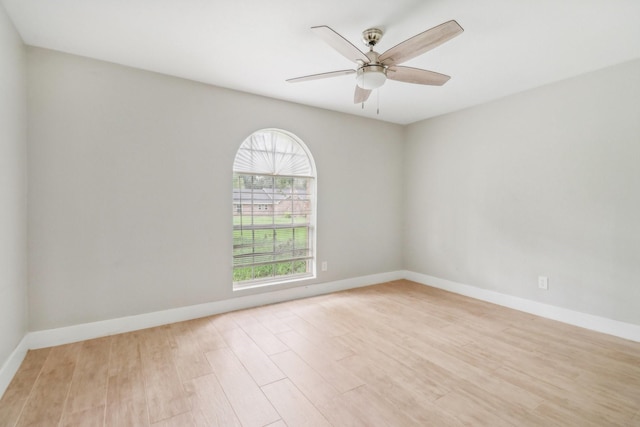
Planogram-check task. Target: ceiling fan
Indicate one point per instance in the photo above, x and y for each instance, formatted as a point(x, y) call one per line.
point(374, 68)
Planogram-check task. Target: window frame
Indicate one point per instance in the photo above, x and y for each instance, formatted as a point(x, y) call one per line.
point(310, 225)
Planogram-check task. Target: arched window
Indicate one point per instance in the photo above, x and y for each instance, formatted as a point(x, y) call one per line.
point(274, 180)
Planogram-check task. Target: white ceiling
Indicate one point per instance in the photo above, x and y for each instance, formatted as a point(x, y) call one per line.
point(254, 45)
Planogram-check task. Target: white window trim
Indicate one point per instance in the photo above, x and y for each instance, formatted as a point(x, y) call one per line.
point(302, 277)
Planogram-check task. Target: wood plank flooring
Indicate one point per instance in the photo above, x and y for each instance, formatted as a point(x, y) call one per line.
point(394, 354)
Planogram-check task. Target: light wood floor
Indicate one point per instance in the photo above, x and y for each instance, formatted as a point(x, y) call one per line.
point(395, 354)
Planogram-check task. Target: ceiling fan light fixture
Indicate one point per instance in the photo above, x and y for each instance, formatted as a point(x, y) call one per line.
point(371, 76)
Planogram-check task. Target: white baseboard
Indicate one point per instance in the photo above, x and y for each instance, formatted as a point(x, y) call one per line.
point(69, 334)
point(65, 335)
point(616, 328)
point(11, 365)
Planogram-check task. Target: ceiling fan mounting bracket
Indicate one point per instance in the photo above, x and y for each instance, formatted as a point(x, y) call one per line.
point(371, 37)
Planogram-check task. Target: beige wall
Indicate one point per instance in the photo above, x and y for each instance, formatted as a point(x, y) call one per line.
point(130, 176)
point(545, 183)
point(13, 189)
point(130, 188)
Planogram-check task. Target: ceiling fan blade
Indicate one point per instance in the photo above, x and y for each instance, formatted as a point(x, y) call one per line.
point(321, 76)
point(421, 43)
point(416, 75)
point(339, 43)
point(361, 95)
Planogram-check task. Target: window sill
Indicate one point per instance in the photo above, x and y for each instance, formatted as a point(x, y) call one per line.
point(253, 284)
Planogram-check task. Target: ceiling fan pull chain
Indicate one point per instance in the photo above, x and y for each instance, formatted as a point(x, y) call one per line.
point(378, 98)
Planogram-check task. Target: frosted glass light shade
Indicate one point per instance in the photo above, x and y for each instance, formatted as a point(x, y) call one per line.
point(371, 77)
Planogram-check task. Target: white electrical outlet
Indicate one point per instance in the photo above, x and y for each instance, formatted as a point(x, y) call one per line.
point(543, 283)
point(324, 266)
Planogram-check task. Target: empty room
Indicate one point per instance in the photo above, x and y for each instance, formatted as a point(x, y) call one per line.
point(337, 213)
